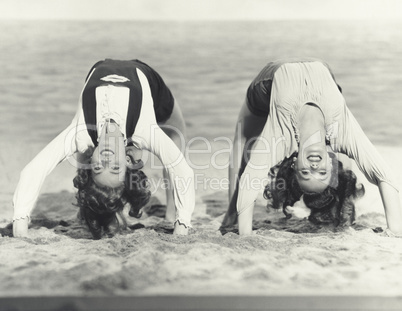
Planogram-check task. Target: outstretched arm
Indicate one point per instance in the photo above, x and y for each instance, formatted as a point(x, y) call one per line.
point(34, 174)
point(252, 183)
point(268, 150)
point(392, 207)
point(180, 174)
point(248, 126)
point(150, 136)
point(357, 146)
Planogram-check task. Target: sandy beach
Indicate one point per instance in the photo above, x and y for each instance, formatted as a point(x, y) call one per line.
point(282, 258)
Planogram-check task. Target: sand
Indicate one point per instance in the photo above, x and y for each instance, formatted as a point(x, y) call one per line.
point(282, 258)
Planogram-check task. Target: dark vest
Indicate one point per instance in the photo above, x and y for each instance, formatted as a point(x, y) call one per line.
point(104, 68)
point(162, 97)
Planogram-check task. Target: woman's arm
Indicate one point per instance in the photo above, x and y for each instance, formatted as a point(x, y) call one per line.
point(34, 174)
point(268, 149)
point(248, 126)
point(180, 174)
point(150, 136)
point(392, 206)
point(252, 182)
point(356, 145)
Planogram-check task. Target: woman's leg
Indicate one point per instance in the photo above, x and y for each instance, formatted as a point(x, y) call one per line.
point(248, 126)
point(175, 128)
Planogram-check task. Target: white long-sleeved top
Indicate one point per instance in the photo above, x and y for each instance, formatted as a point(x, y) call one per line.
point(295, 84)
point(111, 102)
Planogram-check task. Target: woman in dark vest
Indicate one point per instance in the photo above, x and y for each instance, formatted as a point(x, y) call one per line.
point(124, 108)
point(293, 126)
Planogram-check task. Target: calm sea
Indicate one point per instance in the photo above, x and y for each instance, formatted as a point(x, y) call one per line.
point(208, 66)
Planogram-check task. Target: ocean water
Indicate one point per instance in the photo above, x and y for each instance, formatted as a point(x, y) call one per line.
point(207, 65)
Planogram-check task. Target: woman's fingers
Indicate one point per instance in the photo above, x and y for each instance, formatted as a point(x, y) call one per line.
point(298, 210)
point(180, 229)
point(20, 227)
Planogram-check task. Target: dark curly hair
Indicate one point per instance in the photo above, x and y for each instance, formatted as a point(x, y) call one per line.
point(335, 205)
point(100, 204)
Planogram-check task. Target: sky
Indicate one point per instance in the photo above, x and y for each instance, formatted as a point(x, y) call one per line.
point(200, 9)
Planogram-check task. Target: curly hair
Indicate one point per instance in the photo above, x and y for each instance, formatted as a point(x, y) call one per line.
point(335, 205)
point(100, 204)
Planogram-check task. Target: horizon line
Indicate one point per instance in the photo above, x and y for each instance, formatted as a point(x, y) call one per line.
point(205, 19)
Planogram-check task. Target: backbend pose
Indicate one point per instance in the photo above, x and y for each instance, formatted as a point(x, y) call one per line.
point(295, 122)
point(124, 107)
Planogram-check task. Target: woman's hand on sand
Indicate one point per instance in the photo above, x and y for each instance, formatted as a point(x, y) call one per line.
point(299, 209)
point(392, 234)
point(180, 229)
point(20, 227)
